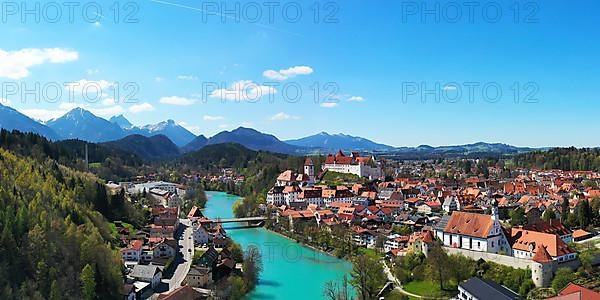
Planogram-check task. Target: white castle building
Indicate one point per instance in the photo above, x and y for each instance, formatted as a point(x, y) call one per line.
point(355, 164)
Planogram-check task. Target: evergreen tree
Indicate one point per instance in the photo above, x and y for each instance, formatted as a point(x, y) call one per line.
point(88, 282)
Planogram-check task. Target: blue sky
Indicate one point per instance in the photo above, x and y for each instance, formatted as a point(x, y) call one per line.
point(371, 54)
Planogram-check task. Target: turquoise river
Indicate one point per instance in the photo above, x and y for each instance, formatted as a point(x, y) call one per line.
point(290, 270)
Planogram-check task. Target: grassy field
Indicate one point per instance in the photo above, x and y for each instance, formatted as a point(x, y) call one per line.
point(370, 253)
point(339, 178)
point(427, 288)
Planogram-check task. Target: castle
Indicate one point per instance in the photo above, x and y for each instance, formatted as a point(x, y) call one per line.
point(363, 166)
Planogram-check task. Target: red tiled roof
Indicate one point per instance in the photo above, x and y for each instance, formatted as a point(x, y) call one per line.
point(541, 255)
point(469, 224)
point(579, 233)
point(522, 239)
point(551, 226)
point(576, 292)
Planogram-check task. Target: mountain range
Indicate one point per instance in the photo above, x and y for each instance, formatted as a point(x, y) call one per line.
point(168, 139)
point(11, 119)
point(330, 142)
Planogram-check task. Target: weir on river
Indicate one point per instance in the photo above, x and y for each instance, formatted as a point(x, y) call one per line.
point(290, 270)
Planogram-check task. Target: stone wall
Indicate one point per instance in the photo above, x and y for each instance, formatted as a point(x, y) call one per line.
point(510, 261)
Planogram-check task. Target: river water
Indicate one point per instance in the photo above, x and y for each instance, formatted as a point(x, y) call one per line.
point(290, 270)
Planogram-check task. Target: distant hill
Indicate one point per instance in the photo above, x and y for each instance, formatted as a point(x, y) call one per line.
point(196, 144)
point(150, 148)
point(228, 154)
point(84, 125)
point(11, 119)
point(479, 149)
point(334, 142)
point(254, 140)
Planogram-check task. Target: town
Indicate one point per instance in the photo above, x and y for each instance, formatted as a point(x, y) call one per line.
point(517, 221)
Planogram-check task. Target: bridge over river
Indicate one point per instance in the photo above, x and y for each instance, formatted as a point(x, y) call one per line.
point(240, 220)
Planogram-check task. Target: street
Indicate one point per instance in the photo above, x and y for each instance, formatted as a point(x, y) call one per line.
point(184, 257)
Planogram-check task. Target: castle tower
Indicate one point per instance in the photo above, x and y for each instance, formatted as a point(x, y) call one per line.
point(542, 267)
point(309, 169)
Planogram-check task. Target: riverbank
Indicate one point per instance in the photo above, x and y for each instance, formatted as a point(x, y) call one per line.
point(314, 248)
point(288, 267)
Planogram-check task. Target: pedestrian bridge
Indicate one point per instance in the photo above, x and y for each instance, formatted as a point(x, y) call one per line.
point(240, 220)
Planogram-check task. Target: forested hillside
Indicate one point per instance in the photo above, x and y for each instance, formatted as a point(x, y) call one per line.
point(107, 162)
point(54, 244)
point(567, 159)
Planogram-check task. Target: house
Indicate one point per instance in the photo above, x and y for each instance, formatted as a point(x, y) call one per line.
point(127, 292)
point(200, 234)
point(363, 237)
point(164, 248)
point(472, 231)
point(395, 241)
point(420, 242)
point(576, 292)
point(209, 258)
point(199, 277)
point(451, 204)
point(429, 207)
point(147, 273)
point(580, 235)
point(482, 289)
point(185, 292)
point(133, 252)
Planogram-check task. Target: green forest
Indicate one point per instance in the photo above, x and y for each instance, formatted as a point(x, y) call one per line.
point(54, 242)
point(567, 159)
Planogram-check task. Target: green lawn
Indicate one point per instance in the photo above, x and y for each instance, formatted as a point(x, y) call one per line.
point(340, 178)
point(427, 288)
point(370, 253)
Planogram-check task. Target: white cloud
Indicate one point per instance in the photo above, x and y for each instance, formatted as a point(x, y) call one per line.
point(243, 90)
point(158, 79)
point(108, 101)
point(246, 124)
point(16, 64)
point(43, 114)
point(223, 126)
point(64, 107)
point(107, 112)
point(90, 88)
point(176, 100)
point(187, 77)
point(329, 104)
point(142, 107)
point(288, 73)
point(356, 99)
point(283, 117)
point(92, 71)
point(212, 118)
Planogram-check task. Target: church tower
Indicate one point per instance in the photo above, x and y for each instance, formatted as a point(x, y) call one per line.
point(309, 169)
point(495, 210)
